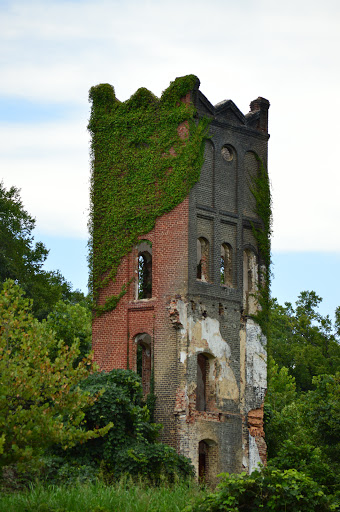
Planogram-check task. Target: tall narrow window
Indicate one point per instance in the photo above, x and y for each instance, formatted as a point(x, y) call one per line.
point(201, 390)
point(208, 465)
point(143, 360)
point(226, 267)
point(202, 259)
point(144, 285)
point(202, 461)
point(250, 280)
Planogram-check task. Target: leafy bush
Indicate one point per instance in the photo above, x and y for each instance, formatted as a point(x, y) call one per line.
point(130, 447)
point(268, 490)
point(41, 402)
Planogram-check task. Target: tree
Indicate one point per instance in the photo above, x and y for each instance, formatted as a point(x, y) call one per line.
point(303, 341)
point(41, 402)
point(323, 413)
point(70, 323)
point(22, 260)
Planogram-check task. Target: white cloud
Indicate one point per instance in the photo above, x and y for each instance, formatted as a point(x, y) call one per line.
point(55, 51)
point(50, 164)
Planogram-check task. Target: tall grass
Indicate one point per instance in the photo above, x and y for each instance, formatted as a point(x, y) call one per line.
point(124, 496)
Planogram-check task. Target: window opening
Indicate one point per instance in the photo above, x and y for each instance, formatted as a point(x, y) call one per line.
point(250, 280)
point(226, 268)
point(143, 360)
point(208, 466)
point(202, 272)
point(144, 286)
point(202, 461)
point(201, 390)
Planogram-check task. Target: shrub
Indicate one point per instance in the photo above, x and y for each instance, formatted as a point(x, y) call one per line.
point(269, 490)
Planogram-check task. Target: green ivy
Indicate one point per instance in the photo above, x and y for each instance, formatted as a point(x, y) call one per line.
point(260, 188)
point(141, 169)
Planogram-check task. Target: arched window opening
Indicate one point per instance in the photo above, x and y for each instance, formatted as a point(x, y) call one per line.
point(202, 259)
point(144, 286)
point(250, 280)
point(226, 267)
point(207, 461)
point(202, 381)
point(143, 360)
point(202, 461)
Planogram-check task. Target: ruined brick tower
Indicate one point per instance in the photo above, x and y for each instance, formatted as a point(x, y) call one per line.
point(179, 306)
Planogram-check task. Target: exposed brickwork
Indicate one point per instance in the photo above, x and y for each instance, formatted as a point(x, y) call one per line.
point(187, 316)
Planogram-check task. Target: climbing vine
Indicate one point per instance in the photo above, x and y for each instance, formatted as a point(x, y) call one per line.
point(260, 188)
point(141, 169)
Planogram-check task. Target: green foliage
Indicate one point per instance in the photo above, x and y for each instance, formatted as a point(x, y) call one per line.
point(303, 392)
point(122, 496)
point(260, 188)
point(300, 453)
point(141, 169)
point(281, 386)
point(268, 490)
point(323, 413)
point(40, 400)
point(304, 341)
point(312, 445)
point(130, 447)
point(22, 260)
point(281, 408)
point(72, 323)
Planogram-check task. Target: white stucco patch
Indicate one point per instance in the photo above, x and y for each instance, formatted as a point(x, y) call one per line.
point(254, 456)
point(182, 356)
point(211, 333)
point(256, 356)
point(204, 335)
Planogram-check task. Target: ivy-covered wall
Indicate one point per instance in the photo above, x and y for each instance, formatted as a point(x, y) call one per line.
point(147, 153)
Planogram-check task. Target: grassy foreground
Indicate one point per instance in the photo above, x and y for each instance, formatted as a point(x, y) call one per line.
point(97, 497)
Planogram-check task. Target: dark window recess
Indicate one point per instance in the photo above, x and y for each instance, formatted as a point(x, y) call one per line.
point(226, 269)
point(143, 360)
point(201, 390)
point(202, 461)
point(202, 272)
point(144, 275)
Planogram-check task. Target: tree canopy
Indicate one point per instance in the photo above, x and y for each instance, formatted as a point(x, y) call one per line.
point(303, 341)
point(21, 259)
point(41, 402)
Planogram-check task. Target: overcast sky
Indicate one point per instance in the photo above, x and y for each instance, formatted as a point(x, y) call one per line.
point(53, 51)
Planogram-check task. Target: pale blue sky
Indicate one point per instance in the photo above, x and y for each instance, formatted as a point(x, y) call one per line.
point(53, 51)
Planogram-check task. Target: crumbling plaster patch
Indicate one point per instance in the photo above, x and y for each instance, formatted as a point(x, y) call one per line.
point(204, 335)
point(254, 455)
point(256, 363)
